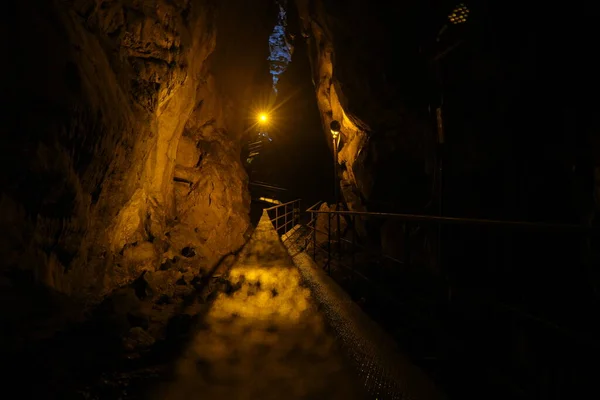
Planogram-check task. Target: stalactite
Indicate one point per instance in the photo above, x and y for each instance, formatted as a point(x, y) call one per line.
point(280, 48)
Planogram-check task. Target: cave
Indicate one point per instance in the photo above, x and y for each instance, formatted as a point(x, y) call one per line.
point(298, 199)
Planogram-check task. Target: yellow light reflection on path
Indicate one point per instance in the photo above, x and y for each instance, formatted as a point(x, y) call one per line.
point(266, 340)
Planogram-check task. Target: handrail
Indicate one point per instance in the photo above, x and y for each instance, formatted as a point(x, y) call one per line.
point(407, 219)
point(430, 287)
point(313, 206)
point(457, 220)
point(289, 216)
point(282, 205)
point(264, 185)
point(283, 215)
point(341, 239)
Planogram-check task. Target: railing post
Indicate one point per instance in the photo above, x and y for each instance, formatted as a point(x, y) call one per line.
point(276, 219)
point(314, 222)
point(285, 213)
point(406, 244)
point(329, 243)
point(339, 237)
point(353, 247)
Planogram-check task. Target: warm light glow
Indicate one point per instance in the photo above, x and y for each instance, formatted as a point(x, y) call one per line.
point(459, 14)
point(268, 317)
point(263, 117)
point(268, 200)
point(335, 127)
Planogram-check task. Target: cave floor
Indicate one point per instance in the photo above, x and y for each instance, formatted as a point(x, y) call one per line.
point(265, 339)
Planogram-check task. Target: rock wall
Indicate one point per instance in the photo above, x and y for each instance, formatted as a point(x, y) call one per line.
point(119, 149)
point(358, 82)
point(382, 72)
point(519, 144)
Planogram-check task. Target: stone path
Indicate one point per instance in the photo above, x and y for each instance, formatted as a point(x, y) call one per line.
point(265, 339)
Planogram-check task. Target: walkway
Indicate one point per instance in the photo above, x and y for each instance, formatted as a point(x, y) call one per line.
point(266, 339)
point(285, 331)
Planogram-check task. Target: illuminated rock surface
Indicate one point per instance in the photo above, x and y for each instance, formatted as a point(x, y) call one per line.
point(382, 73)
point(364, 68)
point(266, 339)
point(127, 145)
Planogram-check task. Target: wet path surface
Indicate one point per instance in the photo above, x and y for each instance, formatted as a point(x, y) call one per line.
point(264, 325)
point(264, 339)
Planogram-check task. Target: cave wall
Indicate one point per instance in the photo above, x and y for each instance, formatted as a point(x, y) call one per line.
point(118, 150)
point(519, 143)
point(374, 93)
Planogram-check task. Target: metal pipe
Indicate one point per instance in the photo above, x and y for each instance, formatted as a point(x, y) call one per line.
point(453, 220)
point(313, 206)
point(281, 216)
point(267, 185)
point(406, 244)
point(335, 173)
point(337, 195)
point(339, 242)
point(329, 244)
point(353, 220)
point(281, 205)
point(314, 221)
point(285, 220)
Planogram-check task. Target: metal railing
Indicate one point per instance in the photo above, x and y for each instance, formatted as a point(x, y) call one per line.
point(285, 216)
point(342, 247)
point(411, 220)
point(441, 268)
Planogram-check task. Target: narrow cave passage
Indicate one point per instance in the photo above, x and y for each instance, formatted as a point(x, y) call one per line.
point(136, 261)
point(131, 201)
point(296, 155)
point(302, 158)
point(264, 338)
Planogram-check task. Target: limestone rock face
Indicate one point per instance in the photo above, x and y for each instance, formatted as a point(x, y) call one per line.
point(383, 71)
point(353, 86)
point(116, 149)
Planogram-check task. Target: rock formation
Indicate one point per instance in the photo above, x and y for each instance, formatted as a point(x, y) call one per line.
point(383, 71)
point(518, 143)
point(120, 145)
point(358, 85)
